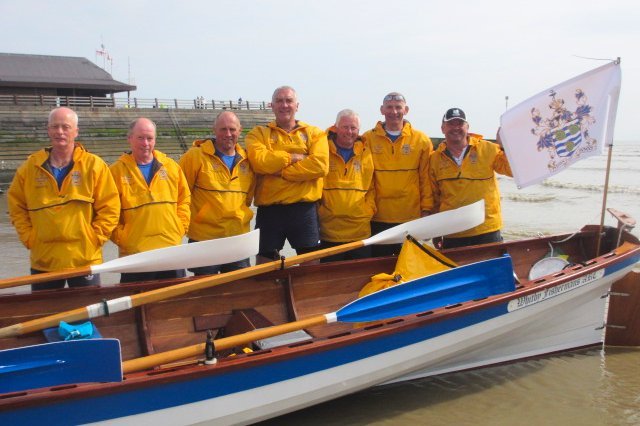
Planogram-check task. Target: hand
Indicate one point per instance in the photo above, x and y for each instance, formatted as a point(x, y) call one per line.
point(297, 157)
point(498, 139)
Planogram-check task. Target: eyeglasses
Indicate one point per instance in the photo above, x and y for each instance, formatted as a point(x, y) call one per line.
point(394, 98)
point(64, 127)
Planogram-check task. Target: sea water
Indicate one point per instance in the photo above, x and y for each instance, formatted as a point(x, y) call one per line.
point(589, 387)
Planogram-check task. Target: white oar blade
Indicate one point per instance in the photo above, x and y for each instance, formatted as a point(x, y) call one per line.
point(436, 225)
point(203, 253)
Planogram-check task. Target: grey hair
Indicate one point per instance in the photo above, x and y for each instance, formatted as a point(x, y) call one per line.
point(275, 92)
point(347, 113)
point(134, 122)
point(74, 115)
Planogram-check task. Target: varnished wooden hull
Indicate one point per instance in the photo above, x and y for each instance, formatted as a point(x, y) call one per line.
point(557, 312)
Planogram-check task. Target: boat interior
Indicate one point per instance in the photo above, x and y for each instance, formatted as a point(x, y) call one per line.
point(280, 297)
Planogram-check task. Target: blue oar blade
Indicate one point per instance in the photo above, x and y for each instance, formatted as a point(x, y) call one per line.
point(461, 284)
point(59, 363)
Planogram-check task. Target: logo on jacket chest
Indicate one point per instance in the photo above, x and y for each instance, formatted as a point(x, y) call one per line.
point(473, 157)
point(76, 178)
point(41, 180)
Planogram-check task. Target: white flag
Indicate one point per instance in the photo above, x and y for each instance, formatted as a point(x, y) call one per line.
point(569, 122)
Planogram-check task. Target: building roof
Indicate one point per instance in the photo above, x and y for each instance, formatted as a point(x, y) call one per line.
point(20, 70)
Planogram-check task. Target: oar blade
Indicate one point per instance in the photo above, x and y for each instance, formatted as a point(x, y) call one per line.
point(59, 363)
point(457, 285)
point(435, 225)
point(204, 253)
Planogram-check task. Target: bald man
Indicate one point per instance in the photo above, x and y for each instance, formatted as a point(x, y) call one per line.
point(222, 183)
point(155, 200)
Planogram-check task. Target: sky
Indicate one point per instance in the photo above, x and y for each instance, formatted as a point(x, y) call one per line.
point(344, 53)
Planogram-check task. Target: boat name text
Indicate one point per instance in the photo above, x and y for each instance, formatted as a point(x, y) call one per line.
point(547, 293)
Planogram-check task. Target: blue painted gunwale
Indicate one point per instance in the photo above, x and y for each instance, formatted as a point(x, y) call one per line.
point(109, 401)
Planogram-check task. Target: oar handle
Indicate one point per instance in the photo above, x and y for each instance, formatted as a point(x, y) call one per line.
point(150, 361)
point(45, 277)
point(176, 290)
point(78, 314)
point(214, 280)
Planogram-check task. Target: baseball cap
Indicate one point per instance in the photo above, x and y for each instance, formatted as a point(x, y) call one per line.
point(454, 113)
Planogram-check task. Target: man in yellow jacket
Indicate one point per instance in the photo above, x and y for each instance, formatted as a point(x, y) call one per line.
point(222, 185)
point(348, 195)
point(462, 171)
point(155, 200)
point(290, 158)
point(401, 158)
point(64, 204)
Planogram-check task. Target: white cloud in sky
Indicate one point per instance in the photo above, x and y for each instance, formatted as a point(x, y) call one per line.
point(343, 54)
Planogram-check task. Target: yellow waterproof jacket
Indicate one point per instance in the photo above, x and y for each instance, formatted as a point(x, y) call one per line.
point(454, 186)
point(278, 181)
point(348, 195)
point(64, 228)
point(153, 216)
point(220, 199)
point(400, 175)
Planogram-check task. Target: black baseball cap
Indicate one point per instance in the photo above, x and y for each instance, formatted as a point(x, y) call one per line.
point(453, 113)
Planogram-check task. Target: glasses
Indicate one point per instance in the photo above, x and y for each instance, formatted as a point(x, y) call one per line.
point(394, 98)
point(64, 127)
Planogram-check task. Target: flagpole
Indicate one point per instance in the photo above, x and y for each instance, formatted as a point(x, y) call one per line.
point(604, 199)
point(606, 184)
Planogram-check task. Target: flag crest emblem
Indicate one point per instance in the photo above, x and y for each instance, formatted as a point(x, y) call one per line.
point(550, 131)
point(564, 133)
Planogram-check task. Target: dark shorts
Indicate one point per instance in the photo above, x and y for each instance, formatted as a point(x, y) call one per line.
point(359, 253)
point(297, 222)
point(489, 237)
point(85, 281)
point(221, 269)
point(132, 277)
point(383, 250)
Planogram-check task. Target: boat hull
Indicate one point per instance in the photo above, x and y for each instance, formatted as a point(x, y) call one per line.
point(557, 312)
point(556, 318)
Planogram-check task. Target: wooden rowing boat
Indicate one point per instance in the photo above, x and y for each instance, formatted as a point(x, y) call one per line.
point(252, 378)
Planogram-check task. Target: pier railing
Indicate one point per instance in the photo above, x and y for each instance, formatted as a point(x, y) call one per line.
point(121, 102)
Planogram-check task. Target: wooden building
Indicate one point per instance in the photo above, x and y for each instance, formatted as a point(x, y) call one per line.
point(45, 75)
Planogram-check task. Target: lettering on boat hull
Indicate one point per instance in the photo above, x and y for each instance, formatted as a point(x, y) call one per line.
point(547, 293)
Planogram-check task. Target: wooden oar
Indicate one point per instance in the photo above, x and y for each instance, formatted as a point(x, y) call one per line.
point(59, 363)
point(461, 284)
point(203, 253)
point(424, 228)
